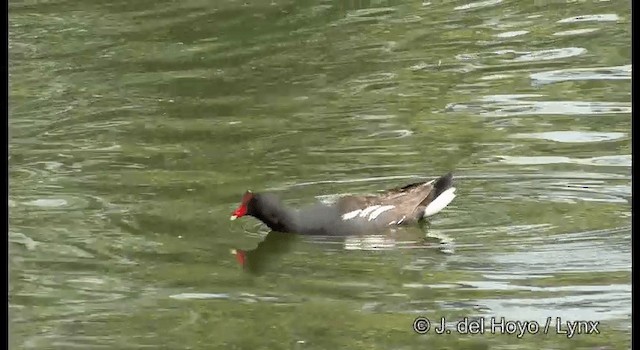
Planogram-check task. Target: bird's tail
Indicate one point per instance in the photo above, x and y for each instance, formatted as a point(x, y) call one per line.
point(443, 193)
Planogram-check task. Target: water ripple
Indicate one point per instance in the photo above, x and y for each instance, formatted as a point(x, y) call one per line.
point(617, 160)
point(571, 136)
point(478, 4)
point(515, 105)
point(609, 17)
point(550, 54)
point(511, 34)
point(391, 134)
point(583, 74)
point(576, 31)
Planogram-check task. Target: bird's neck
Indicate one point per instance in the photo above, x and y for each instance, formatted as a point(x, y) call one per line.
point(279, 218)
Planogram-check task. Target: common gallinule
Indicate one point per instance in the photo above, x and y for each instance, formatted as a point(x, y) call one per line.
point(352, 215)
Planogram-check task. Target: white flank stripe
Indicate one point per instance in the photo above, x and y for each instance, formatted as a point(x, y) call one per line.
point(440, 202)
point(379, 211)
point(351, 214)
point(372, 212)
point(368, 210)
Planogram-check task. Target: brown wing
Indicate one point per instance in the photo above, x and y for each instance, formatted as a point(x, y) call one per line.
point(405, 199)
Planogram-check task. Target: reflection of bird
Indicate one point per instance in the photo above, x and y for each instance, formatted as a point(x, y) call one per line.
point(259, 258)
point(352, 215)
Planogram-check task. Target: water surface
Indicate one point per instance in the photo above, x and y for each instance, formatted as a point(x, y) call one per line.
point(135, 127)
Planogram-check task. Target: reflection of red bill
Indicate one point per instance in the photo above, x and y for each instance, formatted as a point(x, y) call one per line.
point(241, 256)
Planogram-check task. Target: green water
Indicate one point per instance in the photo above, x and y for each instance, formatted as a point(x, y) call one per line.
point(135, 128)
